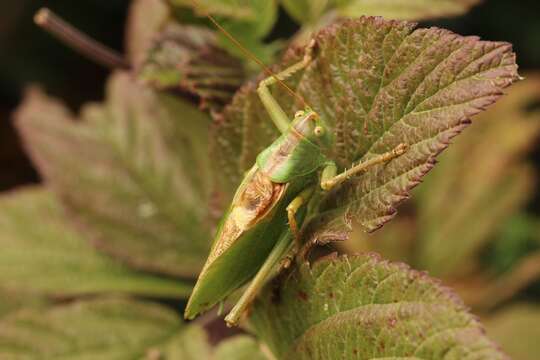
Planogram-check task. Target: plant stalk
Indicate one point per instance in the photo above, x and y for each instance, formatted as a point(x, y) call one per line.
point(79, 41)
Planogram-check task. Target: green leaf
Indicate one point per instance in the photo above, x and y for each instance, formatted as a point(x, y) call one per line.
point(99, 329)
point(364, 308)
point(41, 254)
point(310, 11)
point(249, 21)
point(307, 11)
point(260, 14)
point(377, 84)
point(516, 329)
point(188, 58)
point(132, 173)
point(405, 9)
point(111, 329)
point(146, 18)
point(239, 348)
point(11, 301)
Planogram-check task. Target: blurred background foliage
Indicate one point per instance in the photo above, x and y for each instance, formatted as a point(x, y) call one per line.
point(29, 55)
point(480, 233)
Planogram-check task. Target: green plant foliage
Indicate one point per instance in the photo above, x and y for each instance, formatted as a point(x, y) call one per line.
point(108, 329)
point(517, 238)
point(376, 83)
point(188, 58)
point(73, 267)
point(260, 13)
point(239, 348)
point(364, 308)
point(11, 301)
point(309, 11)
point(132, 173)
point(516, 329)
point(249, 21)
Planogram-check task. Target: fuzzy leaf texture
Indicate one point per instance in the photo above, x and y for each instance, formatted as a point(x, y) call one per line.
point(309, 11)
point(132, 173)
point(188, 58)
point(377, 84)
point(110, 329)
point(364, 308)
point(73, 267)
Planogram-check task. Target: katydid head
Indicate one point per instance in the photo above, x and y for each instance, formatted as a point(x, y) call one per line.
point(310, 125)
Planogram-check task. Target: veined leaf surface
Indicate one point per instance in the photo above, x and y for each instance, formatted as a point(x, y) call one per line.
point(133, 173)
point(468, 199)
point(364, 308)
point(377, 84)
point(43, 256)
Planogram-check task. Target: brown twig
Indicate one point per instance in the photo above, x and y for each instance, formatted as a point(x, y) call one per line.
point(80, 42)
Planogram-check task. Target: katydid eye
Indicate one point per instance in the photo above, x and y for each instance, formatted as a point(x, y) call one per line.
point(299, 114)
point(319, 131)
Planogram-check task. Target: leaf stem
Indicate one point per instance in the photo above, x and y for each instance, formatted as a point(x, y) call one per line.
point(79, 41)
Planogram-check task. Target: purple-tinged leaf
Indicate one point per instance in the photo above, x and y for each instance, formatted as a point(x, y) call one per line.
point(362, 307)
point(132, 173)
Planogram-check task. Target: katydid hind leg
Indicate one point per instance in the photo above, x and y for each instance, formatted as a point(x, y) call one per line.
point(269, 267)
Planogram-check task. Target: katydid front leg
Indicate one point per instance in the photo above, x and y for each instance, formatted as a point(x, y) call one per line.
point(276, 112)
point(329, 179)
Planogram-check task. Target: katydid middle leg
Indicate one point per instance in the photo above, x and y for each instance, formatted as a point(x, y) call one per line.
point(276, 112)
point(293, 208)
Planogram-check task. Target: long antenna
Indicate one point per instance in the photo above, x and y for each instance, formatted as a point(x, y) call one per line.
point(101, 54)
point(248, 53)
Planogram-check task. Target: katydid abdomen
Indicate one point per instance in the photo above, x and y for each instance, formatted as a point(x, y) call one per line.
point(245, 237)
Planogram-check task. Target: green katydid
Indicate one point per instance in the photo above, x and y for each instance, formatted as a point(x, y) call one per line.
point(255, 236)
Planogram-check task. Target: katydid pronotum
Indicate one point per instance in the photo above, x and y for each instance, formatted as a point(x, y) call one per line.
point(255, 236)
